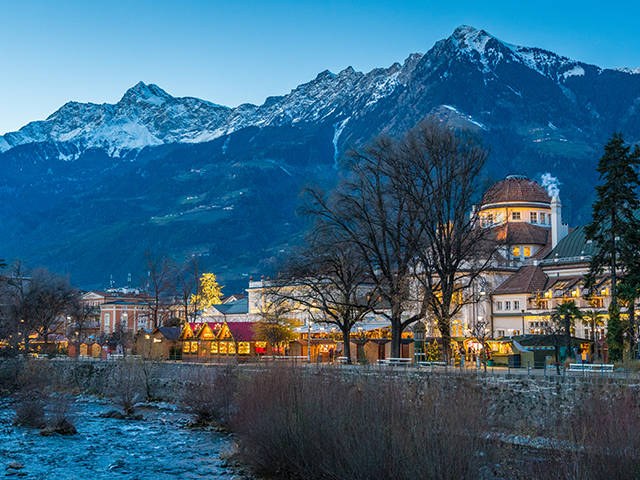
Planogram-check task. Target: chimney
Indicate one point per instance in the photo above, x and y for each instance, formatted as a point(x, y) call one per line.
point(558, 229)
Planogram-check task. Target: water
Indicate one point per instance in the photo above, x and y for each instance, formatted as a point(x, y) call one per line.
point(158, 447)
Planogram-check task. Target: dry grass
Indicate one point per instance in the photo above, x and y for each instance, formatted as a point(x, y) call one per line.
point(210, 394)
point(126, 385)
point(325, 426)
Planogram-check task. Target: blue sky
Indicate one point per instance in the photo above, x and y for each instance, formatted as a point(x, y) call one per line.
point(235, 52)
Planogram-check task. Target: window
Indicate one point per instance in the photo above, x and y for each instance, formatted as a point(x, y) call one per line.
point(515, 251)
point(534, 217)
point(498, 305)
point(516, 332)
point(500, 333)
point(507, 305)
point(515, 215)
point(516, 305)
point(543, 218)
point(107, 323)
point(527, 251)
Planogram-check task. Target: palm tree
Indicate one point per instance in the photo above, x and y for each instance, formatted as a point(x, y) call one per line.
point(564, 316)
point(592, 319)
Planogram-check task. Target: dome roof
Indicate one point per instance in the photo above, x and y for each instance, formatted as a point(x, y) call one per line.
point(516, 188)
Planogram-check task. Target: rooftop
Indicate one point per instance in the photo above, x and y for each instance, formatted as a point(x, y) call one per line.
point(516, 188)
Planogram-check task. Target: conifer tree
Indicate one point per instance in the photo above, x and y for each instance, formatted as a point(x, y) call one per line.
point(614, 226)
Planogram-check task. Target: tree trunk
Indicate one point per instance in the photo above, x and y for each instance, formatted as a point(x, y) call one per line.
point(557, 359)
point(567, 334)
point(346, 344)
point(396, 338)
point(632, 328)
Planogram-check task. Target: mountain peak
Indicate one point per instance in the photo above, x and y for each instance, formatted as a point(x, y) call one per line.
point(148, 93)
point(470, 38)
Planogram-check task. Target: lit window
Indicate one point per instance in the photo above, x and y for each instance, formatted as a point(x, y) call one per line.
point(527, 251)
point(516, 251)
point(214, 347)
point(534, 217)
point(515, 215)
point(243, 348)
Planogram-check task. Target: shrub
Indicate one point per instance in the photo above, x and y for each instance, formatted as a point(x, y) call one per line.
point(126, 385)
point(210, 394)
point(30, 410)
point(324, 425)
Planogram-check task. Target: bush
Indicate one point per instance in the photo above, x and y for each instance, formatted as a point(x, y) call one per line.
point(11, 373)
point(293, 424)
point(210, 394)
point(30, 410)
point(126, 385)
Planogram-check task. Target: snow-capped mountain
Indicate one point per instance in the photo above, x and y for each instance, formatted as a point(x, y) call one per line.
point(92, 187)
point(148, 116)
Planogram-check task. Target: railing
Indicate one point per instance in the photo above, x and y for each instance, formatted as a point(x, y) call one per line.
point(394, 361)
point(591, 367)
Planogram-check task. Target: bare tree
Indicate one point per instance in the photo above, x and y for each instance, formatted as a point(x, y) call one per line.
point(188, 284)
point(373, 211)
point(329, 279)
point(160, 285)
point(407, 210)
point(13, 287)
point(442, 177)
point(481, 331)
point(275, 325)
point(46, 300)
point(81, 317)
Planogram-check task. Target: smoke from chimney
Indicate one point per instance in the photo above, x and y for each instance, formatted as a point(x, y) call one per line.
point(551, 183)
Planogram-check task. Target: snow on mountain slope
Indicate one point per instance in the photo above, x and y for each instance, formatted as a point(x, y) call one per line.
point(147, 115)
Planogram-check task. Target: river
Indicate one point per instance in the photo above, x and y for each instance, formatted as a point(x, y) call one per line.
point(159, 447)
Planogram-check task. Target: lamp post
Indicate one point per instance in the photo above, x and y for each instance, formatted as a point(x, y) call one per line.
point(308, 340)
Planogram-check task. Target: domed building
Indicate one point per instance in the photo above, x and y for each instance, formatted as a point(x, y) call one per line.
point(524, 216)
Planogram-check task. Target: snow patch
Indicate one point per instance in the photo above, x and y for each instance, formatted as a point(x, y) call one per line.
point(337, 131)
point(225, 145)
point(576, 71)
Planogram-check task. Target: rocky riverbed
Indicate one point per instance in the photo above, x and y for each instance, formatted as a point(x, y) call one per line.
point(161, 446)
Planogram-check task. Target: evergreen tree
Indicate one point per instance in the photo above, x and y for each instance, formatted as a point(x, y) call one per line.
point(614, 227)
point(565, 316)
point(615, 333)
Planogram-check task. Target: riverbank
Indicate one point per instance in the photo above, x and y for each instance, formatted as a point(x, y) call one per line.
point(315, 422)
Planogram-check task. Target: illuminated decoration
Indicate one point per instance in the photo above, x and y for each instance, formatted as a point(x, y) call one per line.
point(157, 340)
point(214, 347)
point(244, 348)
point(194, 347)
point(261, 347)
point(232, 348)
point(223, 348)
point(186, 348)
point(324, 348)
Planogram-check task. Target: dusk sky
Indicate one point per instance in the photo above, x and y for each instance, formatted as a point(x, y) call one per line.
point(236, 52)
